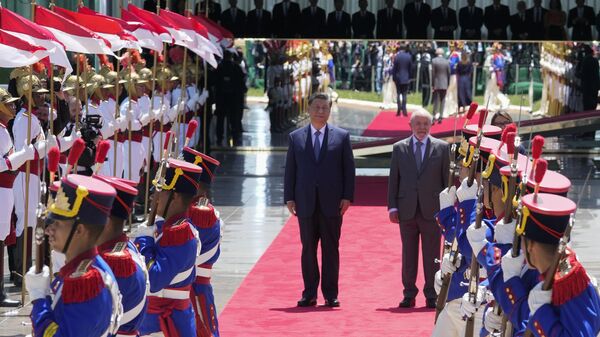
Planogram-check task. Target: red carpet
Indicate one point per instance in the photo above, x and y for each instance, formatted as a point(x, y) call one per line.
point(370, 282)
point(387, 124)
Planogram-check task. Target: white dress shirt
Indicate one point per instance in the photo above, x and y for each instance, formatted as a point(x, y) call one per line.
point(425, 141)
point(313, 130)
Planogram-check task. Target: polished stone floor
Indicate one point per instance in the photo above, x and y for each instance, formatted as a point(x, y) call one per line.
point(248, 191)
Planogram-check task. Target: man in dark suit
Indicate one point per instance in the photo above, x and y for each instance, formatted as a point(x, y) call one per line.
point(214, 10)
point(363, 22)
point(590, 78)
point(234, 19)
point(519, 23)
point(286, 19)
point(338, 22)
point(401, 70)
point(418, 173)
point(581, 18)
point(443, 21)
point(389, 22)
point(318, 189)
point(258, 22)
point(312, 20)
point(535, 17)
point(417, 15)
point(470, 19)
point(496, 19)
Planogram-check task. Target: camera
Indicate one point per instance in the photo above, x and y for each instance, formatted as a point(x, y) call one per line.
point(91, 129)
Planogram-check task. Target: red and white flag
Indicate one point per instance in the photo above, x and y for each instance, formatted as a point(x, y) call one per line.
point(205, 37)
point(75, 37)
point(15, 52)
point(145, 35)
point(224, 36)
point(103, 26)
point(180, 38)
point(131, 18)
point(26, 30)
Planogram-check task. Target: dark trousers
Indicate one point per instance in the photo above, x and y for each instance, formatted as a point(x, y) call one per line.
point(430, 248)
point(401, 93)
point(439, 100)
point(328, 230)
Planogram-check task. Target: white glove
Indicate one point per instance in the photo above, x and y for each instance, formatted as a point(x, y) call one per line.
point(447, 197)
point(19, 158)
point(145, 118)
point(492, 321)
point(468, 308)
point(447, 267)
point(38, 285)
point(505, 232)
point(202, 98)
point(437, 284)
point(67, 142)
point(512, 266)
point(121, 123)
point(476, 237)
point(465, 192)
point(537, 298)
point(41, 146)
point(52, 142)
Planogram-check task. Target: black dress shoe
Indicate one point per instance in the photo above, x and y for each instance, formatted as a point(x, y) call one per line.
point(332, 303)
point(305, 302)
point(431, 303)
point(6, 302)
point(407, 302)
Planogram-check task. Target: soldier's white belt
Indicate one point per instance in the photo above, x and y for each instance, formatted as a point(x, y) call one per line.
point(174, 294)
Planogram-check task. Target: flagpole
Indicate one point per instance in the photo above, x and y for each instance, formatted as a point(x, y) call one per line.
point(205, 116)
point(163, 85)
point(27, 174)
point(149, 160)
point(129, 125)
point(183, 94)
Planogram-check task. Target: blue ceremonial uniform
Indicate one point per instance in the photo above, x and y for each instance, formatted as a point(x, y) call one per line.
point(208, 225)
point(130, 272)
point(171, 261)
point(82, 300)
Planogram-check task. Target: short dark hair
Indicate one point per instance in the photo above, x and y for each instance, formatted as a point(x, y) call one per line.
point(319, 95)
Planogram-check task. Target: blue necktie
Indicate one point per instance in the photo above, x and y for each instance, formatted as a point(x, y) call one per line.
point(317, 145)
point(419, 155)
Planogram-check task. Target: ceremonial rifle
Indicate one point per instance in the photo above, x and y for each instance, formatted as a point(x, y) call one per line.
point(159, 179)
point(446, 279)
point(562, 245)
point(53, 158)
point(473, 168)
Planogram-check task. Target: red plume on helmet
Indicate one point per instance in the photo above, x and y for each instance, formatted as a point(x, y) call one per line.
point(105, 62)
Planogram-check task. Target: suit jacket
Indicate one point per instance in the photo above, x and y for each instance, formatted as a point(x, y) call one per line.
point(389, 28)
point(312, 26)
point(470, 25)
point(536, 28)
point(402, 67)
point(520, 27)
point(341, 29)
point(582, 31)
point(440, 72)
point(286, 26)
point(438, 21)
point(214, 10)
point(363, 26)
point(406, 186)
point(256, 27)
point(496, 20)
point(236, 26)
point(330, 177)
point(416, 25)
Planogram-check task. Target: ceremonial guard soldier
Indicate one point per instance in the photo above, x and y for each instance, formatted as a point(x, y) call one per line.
point(170, 247)
point(210, 227)
point(83, 299)
point(134, 160)
point(167, 115)
point(108, 107)
point(123, 258)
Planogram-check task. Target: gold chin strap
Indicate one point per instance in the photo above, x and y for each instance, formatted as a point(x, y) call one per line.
point(178, 173)
point(521, 226)
point(197, 160)
point(504, 188)
point(490, 167)
point(469, 159)
point(61, 204)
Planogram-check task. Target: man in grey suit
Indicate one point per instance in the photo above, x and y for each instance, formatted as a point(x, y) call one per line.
point(418, 172)
point(440, 75)
point(318, 189)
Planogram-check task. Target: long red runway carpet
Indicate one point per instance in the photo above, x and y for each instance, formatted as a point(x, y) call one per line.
point(387, 124)
point(370, 282)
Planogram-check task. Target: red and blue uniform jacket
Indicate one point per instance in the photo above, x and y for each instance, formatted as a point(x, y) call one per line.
point(170, 258)
point(84, 300)
point(129, 269)
point(208, 225)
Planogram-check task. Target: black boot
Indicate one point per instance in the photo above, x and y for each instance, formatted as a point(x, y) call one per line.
point(5, 302)
point(18, 279)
